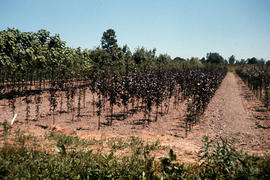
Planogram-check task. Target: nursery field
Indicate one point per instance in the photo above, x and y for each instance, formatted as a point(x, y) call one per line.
point(233, 113)
point(108, 113)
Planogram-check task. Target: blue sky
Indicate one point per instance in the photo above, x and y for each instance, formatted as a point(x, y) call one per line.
point(183, 28)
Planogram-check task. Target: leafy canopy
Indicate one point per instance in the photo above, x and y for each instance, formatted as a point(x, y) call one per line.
point(109, 42)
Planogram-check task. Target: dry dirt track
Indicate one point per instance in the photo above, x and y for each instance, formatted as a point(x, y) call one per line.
point(229, 116)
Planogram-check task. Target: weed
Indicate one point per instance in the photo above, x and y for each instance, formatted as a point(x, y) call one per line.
point(219, 160)
point(6, 128)
point(21, 137)
point(117, 143)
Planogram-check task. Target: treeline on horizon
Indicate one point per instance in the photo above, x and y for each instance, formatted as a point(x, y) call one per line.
point(40, 55)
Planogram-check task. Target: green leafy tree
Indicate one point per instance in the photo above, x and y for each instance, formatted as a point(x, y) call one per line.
point(232, 60)
point(252, 60)
point(242, 61)
point(214, 58)
point(203, 60)
point(109, 43)
point(179, 59)
point(101, 62)
point(195, 62)
point(162, 61)
point(261, 61)
point(129, 64)
point(144, 59)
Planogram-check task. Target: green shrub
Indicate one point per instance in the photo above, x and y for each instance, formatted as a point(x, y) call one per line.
point(218, 160)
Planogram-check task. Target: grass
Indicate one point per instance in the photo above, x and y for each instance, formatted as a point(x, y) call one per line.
point(69, 157)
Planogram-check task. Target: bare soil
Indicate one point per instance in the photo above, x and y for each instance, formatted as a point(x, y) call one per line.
point(233, 113)
point(237, 115)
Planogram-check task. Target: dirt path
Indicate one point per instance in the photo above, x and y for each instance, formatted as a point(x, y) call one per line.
point(228, 116)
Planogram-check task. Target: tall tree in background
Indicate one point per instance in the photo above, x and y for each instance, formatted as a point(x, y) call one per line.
point(232, 60)
point(109, 43)
point(252, 60)
point(214, 58)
